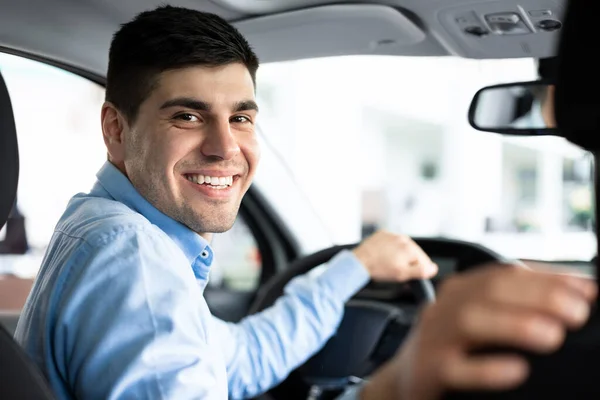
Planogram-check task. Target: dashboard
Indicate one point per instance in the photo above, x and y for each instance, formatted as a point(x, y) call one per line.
point(447, 266)
point(401, 294)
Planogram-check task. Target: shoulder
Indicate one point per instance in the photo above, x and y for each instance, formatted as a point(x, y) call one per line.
point(98, 221)
point(104, 238)
point(112, 248)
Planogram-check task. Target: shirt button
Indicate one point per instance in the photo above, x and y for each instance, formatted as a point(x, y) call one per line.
point(204, 254)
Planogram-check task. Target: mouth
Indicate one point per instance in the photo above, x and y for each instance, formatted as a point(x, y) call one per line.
point(212, 185)
point(214, 182)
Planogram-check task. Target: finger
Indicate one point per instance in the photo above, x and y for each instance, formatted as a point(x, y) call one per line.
point(587, 287)
point(561, 297)
point(585, 283)
point(492, 324)
point(556, 269)
point(498, 372)
point(420, 265)
point(417, 270)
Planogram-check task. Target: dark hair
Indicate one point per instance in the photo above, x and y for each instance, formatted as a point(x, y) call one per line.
point(168, 38)
point(548, 68)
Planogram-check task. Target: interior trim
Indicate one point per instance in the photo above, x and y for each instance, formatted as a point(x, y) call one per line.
point(275, 242)
point(316, 32)
point(91, 76)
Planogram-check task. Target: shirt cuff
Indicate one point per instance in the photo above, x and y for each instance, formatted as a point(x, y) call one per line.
point(344, 276)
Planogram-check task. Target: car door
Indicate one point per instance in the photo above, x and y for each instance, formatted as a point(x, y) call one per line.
point(246, 257)
point(60, 146)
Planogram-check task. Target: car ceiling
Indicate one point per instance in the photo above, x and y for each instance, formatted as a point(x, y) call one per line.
point(77, 33)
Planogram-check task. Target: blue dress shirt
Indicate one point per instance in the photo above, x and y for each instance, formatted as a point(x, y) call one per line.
point(117, 310)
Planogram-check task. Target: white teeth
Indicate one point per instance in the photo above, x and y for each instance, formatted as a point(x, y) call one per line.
point(216, 182)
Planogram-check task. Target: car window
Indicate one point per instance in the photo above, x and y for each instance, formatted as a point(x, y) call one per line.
point(57, 116)
point(60, 149)
point(237, 264)
point(384, 142)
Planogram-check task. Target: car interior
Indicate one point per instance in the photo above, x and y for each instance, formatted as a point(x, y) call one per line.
point(73, 37)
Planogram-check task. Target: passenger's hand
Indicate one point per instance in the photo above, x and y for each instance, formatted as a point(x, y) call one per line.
point(498, 306)
point(391, 257)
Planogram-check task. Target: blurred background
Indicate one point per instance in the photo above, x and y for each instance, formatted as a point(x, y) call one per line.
point(368, 141)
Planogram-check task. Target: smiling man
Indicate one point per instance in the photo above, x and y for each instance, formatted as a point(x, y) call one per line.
point(117, 310)
point(192, 151)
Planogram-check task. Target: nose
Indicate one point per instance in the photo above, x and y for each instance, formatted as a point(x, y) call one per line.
point(220, 143)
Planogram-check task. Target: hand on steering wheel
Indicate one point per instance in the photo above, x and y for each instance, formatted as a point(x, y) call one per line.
point(371, 331)
point(394, 258)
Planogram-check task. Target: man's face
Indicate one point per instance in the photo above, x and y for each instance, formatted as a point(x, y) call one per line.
point(192, 150)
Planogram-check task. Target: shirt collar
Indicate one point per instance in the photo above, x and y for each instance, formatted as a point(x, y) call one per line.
point(194, 246)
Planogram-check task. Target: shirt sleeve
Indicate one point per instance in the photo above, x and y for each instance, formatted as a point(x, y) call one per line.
point(264, 348)
point(126, 327)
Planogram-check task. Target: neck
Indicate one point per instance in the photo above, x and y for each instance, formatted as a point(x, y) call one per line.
point(120, 166)
point(207, 236)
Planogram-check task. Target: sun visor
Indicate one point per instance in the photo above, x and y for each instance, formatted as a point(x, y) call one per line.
point(329, 31)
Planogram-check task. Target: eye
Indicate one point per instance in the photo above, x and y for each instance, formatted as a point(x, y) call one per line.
point(240, 119)
point(187, 117)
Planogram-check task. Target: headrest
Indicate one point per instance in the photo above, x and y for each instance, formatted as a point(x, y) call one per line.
point(577, 99)
point(9, 155)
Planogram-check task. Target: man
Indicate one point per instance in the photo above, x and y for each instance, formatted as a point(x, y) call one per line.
point(117, 310)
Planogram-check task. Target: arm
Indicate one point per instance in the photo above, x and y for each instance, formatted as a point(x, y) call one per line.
point(126, 325)
point(264, 348)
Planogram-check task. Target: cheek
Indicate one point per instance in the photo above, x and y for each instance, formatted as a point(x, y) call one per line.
point(251, 150)
point(170, 149)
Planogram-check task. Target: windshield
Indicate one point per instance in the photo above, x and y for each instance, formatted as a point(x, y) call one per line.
point(384, 142)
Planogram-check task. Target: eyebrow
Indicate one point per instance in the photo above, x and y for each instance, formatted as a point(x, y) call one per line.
point(199, 105)
point(186, 102)
point(246, 105)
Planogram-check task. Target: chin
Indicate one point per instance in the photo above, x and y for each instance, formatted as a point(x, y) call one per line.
point(212, 227)
point(220, 229)
point(207, 223)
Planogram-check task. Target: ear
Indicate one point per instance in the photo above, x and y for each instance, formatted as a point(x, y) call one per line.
point(114, 128)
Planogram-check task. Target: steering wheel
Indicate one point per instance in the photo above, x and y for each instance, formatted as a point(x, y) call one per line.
point(371, 330)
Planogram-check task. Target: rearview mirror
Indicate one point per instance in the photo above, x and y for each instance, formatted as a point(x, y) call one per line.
point(522, 109)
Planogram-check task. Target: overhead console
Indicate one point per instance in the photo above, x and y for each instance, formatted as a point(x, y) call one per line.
point(503, 28)
point(343, 29)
